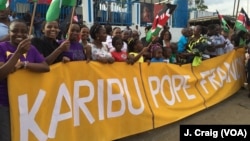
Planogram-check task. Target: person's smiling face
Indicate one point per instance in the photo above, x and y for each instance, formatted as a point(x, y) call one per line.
point(51, 29)
point(18, 31)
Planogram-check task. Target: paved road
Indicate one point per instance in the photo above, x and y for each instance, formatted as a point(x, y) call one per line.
point(234, 110)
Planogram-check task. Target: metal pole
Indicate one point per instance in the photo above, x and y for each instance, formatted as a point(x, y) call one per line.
point(234, 7)
point(237, 8)
point(247, 7)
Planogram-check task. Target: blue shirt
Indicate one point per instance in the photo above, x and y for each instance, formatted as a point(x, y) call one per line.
point(182, 44)
point(157, 60)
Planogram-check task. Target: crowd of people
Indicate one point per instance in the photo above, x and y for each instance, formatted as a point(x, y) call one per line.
point(101, 43)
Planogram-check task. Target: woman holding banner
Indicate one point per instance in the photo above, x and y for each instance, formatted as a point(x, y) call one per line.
point(18, 53)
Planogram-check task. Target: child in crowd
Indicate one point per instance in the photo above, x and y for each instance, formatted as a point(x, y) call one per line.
point(75, 52)
point(157, 53)
point(174, 53)
point(116, 33)
point(167, 52)
point(19, 47)
point(118, 54)
point(84, 34)
point(136, 50)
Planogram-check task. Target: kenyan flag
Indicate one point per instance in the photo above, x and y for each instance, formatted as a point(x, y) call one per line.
point(160, 20)
point(223, 22)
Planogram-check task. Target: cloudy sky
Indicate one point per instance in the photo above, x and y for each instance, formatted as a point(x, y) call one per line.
point(226, 7)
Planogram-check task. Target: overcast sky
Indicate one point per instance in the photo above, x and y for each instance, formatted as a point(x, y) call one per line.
point(226, 7)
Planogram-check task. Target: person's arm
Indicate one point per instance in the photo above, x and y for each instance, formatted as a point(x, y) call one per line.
point(39, 65)
point(52, 57)
point(143, 52)
point(88, 53)
point(67, 57)
point(9, 66)
point(106, 59)
point(137, 57)
point(186, 54)
point(222, 45)
point(35, 67)
point(6, 68)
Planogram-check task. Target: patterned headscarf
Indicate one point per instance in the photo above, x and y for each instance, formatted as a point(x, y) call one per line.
point(155, 46)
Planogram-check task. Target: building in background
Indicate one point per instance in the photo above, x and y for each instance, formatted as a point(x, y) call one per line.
point(120, 13)
point(181, 15)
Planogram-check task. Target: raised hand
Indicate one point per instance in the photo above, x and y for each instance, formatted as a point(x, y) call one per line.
point(65, 45)
point(111, 60)
point(65, 59)
point(24, 46)
point(145, 49)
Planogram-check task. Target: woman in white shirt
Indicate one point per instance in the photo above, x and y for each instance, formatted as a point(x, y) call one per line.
point(97, 51)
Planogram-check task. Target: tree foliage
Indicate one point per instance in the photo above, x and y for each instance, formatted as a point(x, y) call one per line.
point(199, 4)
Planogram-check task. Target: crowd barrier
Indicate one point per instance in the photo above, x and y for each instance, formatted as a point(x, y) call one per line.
point(81, 101)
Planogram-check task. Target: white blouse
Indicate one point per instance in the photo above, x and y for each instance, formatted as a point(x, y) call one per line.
point(99, 52)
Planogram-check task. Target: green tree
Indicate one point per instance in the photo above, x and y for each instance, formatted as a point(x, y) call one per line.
point(200, 6)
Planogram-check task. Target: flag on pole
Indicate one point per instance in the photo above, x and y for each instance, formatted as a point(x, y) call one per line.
point(223, 22)
point(160, 20)
point(3, 4)
point(242, 22)
point(55, 8)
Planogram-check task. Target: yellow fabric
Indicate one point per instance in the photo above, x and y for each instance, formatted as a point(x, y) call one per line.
point(135, 54)
point(82, 101)
point(216, 76)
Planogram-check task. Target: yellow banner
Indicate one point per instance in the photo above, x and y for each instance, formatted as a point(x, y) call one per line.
point(101, 102)
point(221, 77)
point(171, 92)
point(79, 101)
